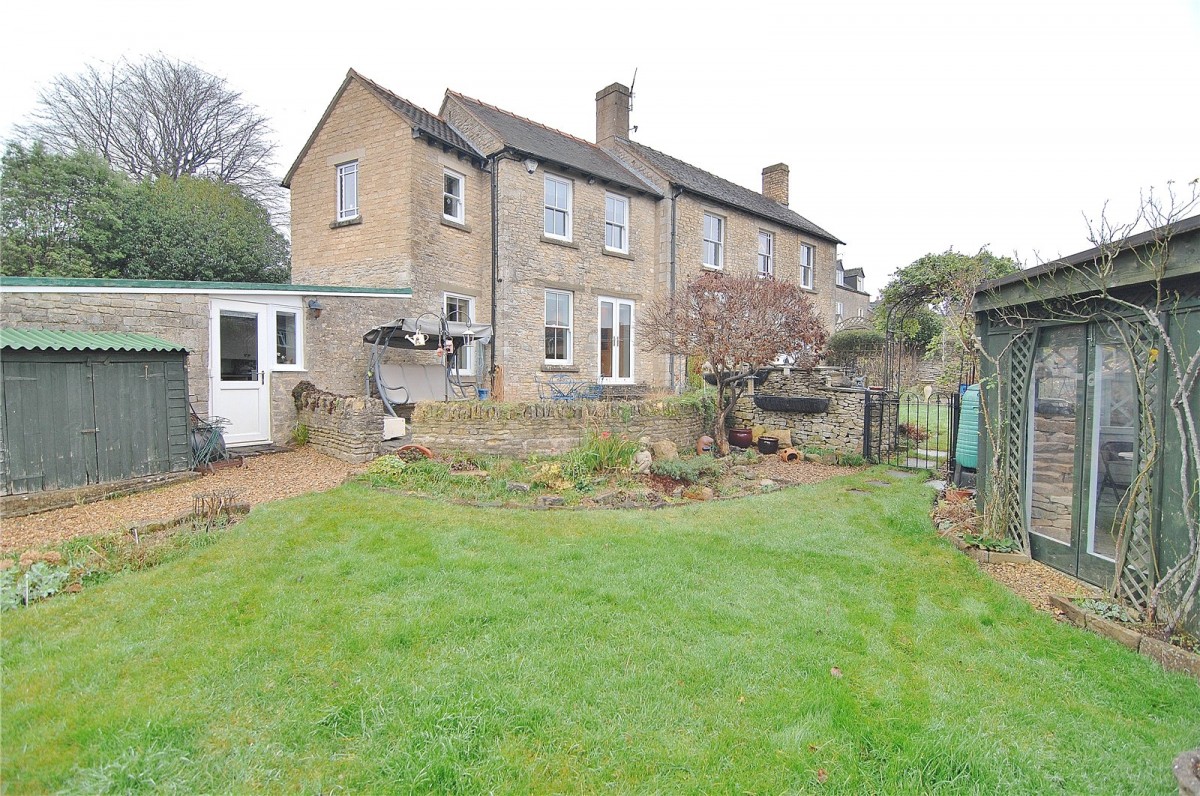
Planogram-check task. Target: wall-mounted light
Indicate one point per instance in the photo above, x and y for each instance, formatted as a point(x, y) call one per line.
point(530, 165)
point(316, 307)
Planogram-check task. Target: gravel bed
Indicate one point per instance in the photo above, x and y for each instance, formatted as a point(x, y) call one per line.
point(262, 479)
point(1036, 583)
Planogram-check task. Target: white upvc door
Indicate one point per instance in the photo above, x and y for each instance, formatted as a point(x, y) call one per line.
point(616, 341)
point(240, 354)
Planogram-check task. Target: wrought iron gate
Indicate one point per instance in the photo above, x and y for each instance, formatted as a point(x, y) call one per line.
point(911, 429)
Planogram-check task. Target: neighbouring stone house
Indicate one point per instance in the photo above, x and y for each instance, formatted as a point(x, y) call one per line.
point(555, 241)
point(851, 301)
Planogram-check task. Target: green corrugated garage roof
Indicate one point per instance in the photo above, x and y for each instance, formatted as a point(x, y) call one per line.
point(40, 339)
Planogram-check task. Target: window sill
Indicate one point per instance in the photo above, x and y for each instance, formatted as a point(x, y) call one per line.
point(548, 368)
point(450, 222)
point(346, 222)
point(618, 254)
point(560, 242)
point(288, 369)
point(705, 267)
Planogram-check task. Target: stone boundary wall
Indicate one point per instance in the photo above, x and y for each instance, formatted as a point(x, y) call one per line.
point(839, 429)
point(349, 428)
point(521, 429)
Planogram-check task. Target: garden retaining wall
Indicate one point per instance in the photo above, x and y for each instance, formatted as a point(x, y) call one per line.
point(521, 429)
point(839, 429)
point(349, 428)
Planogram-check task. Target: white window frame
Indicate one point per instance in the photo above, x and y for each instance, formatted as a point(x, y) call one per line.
point(862, 312)
point(622, 228)
point(766, 259)
point(460, 199)
point(347, 205)
point(839, 311)
point(296, 311)
point(616, 349)
point(841, 276)
point(718, 243)
point(566, 211)
point(808, 265)
point(466, 355)
point(570, 327)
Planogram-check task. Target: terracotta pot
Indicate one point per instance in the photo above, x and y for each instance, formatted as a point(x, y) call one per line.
point(789, 455)
point(741, 437)
point(704, 445)
point(768, 446)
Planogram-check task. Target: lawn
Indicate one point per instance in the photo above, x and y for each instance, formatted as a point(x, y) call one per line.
point(808, 640)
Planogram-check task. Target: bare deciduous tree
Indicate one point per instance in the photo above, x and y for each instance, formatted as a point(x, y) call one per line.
point(737, 324)
point(159, 117)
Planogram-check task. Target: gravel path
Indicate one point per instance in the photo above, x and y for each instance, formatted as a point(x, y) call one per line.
point(263, 479)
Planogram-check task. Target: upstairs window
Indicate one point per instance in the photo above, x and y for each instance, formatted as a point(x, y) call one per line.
point(714, 241)
point(841, 276)
point(766, 254)
point(839, 310)
point(616, 223)
point(807, 259)
point(347, 191)
point(558, 208)
point(452, 197)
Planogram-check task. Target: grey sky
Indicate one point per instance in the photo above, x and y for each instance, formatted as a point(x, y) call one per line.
point(909, 127)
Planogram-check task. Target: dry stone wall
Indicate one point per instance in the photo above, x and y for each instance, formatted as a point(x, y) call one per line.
point(840, 428)
point(521, 429)
point(345, 427)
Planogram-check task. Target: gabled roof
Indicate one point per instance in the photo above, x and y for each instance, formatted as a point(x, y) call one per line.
point(710, 186)
point(421, 120)
point(540, 141)
point(48, 340)
point(855, 272)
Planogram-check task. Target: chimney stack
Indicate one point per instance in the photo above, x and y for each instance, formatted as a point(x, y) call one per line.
point(612, 113)
point(775, 183)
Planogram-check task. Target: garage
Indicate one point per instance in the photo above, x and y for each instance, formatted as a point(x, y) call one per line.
point(82, 408)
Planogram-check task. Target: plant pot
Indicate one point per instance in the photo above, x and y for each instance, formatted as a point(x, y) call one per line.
point(768, 446)
point(789, 455)
point(741, 437)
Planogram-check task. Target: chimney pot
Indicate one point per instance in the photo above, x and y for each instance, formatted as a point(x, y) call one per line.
point(612, 113)
point(775, 183)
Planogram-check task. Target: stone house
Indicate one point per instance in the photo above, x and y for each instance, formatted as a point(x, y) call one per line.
point(553, 240)
point(851, 301)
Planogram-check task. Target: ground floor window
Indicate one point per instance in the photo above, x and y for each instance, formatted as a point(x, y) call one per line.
point(616, 340)
point(461, 309)
point(558, 327)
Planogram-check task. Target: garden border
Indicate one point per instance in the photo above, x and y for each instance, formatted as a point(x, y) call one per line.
point(1170, 657)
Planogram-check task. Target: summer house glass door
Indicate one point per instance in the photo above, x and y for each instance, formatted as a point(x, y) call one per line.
point(1081, 450)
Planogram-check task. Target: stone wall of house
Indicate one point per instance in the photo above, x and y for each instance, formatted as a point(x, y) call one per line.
point(530, 264)
point(372, 251)
point(346, 427)
point(741, 250)
point(840, 429)
point(521, 429)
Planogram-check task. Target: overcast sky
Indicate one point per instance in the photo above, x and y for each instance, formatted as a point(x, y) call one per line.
point(909, 127)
